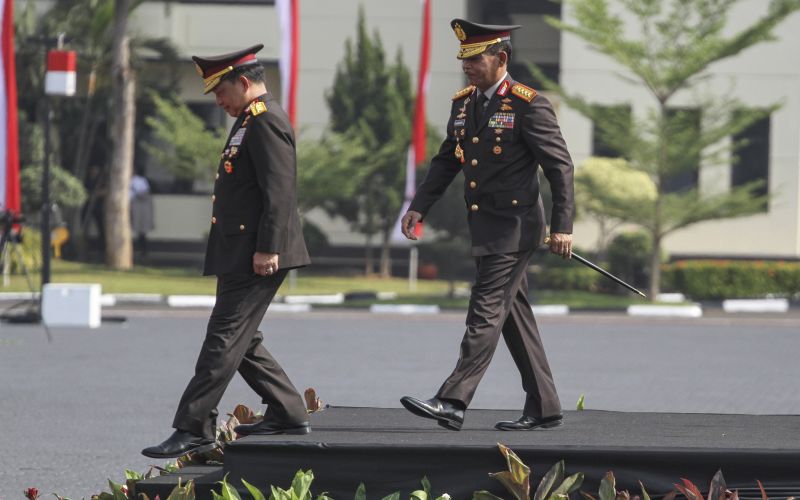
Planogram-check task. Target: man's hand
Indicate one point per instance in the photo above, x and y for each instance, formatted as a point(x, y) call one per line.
point(561, 244)
point(408, 222)
point(265, 264)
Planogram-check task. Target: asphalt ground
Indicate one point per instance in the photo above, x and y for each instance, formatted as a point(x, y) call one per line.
point(79, 410)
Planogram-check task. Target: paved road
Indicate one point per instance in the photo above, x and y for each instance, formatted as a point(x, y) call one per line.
point(77, 411)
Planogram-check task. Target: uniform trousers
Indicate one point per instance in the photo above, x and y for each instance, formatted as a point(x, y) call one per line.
point(233, 343)
point(499, 304)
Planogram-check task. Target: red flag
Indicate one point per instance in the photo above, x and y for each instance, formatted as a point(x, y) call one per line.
point(9, 141)
point(416, 152)
point(288, 13)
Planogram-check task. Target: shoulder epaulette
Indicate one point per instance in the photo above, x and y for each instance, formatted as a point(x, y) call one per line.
point(258, 107)
point(523, 92)
point(463, 92)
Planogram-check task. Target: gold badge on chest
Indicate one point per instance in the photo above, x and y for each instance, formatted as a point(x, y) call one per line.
point(459, 153)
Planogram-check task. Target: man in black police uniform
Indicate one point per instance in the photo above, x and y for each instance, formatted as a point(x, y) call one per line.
point(498, 134)
point(255, 238)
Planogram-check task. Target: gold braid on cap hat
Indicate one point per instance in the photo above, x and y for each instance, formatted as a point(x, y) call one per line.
point(473, 49)
point(214, 79)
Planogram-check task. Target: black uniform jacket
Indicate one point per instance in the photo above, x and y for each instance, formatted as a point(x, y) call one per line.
point(255, 197)
point(499, 155)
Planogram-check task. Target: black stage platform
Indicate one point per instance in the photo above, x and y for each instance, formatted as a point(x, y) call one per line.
point(391, 450)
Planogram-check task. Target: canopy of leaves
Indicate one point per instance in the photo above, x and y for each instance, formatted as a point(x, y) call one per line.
point(603, 183)
point(65, 190)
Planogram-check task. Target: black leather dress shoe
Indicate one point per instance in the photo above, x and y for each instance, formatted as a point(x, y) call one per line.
point(178, 444)
point(526, 423)
point(270, 427)
point(447, 414)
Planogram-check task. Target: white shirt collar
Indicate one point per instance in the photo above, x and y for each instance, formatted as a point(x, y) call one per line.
point(489, 93)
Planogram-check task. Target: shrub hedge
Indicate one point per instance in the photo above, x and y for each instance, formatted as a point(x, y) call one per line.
point(577, 277)
point(731, 279)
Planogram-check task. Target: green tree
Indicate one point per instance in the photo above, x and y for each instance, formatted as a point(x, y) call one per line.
point(183, 143)
point(667, 46)
point(609, 185)
point(371, 106)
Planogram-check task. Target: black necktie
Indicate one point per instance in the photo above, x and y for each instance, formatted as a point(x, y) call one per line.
point(481, 104)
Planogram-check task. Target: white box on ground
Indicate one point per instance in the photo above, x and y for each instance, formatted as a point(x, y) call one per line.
point(71, 304)
point(755, 305)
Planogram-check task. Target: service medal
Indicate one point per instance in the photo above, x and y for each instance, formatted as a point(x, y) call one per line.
point(497, 150)
point(228, 167)
point(459, 153)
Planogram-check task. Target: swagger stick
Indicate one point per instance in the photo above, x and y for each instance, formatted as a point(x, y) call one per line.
point(600, 270)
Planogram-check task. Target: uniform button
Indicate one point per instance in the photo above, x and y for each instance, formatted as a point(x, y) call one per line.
point(475, 140)
point(241, 227)
point(474, 208)
point(474, 163)
point(213, 220)
point(514, 203)
point(213, 198)
point(497, 138)
point(473, 184)
point(216, 176)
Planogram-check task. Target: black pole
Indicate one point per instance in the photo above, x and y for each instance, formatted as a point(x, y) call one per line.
point(46, 196)
point(49, 43)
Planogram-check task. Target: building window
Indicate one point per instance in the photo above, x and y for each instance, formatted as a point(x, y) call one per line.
point(685, 121)
point(617, 118)
point(752, 155)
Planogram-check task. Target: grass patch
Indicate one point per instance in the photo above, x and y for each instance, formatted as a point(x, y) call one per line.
point(182, 281)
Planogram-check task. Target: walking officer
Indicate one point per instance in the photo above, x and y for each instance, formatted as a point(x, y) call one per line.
point(255, 239)
point(499, 133)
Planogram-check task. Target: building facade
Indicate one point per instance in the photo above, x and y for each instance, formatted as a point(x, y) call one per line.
point(759, 77)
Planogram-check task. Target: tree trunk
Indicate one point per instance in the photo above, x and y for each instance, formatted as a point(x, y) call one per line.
point(368, 264)
point(655, 269)
point(119, 246)
point(386, 256)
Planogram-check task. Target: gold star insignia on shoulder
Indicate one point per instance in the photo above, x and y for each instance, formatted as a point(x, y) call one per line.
point(463, 92)
point(257, 108)
point(523, 92)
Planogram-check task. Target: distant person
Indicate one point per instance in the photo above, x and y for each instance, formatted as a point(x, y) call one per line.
point(142, 217)
point(94, 209)
point(255, 239)
point(498, 135)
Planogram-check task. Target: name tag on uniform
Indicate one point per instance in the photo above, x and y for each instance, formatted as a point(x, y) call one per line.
point(236, 140)
point(502, 120)
point(459, 123)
